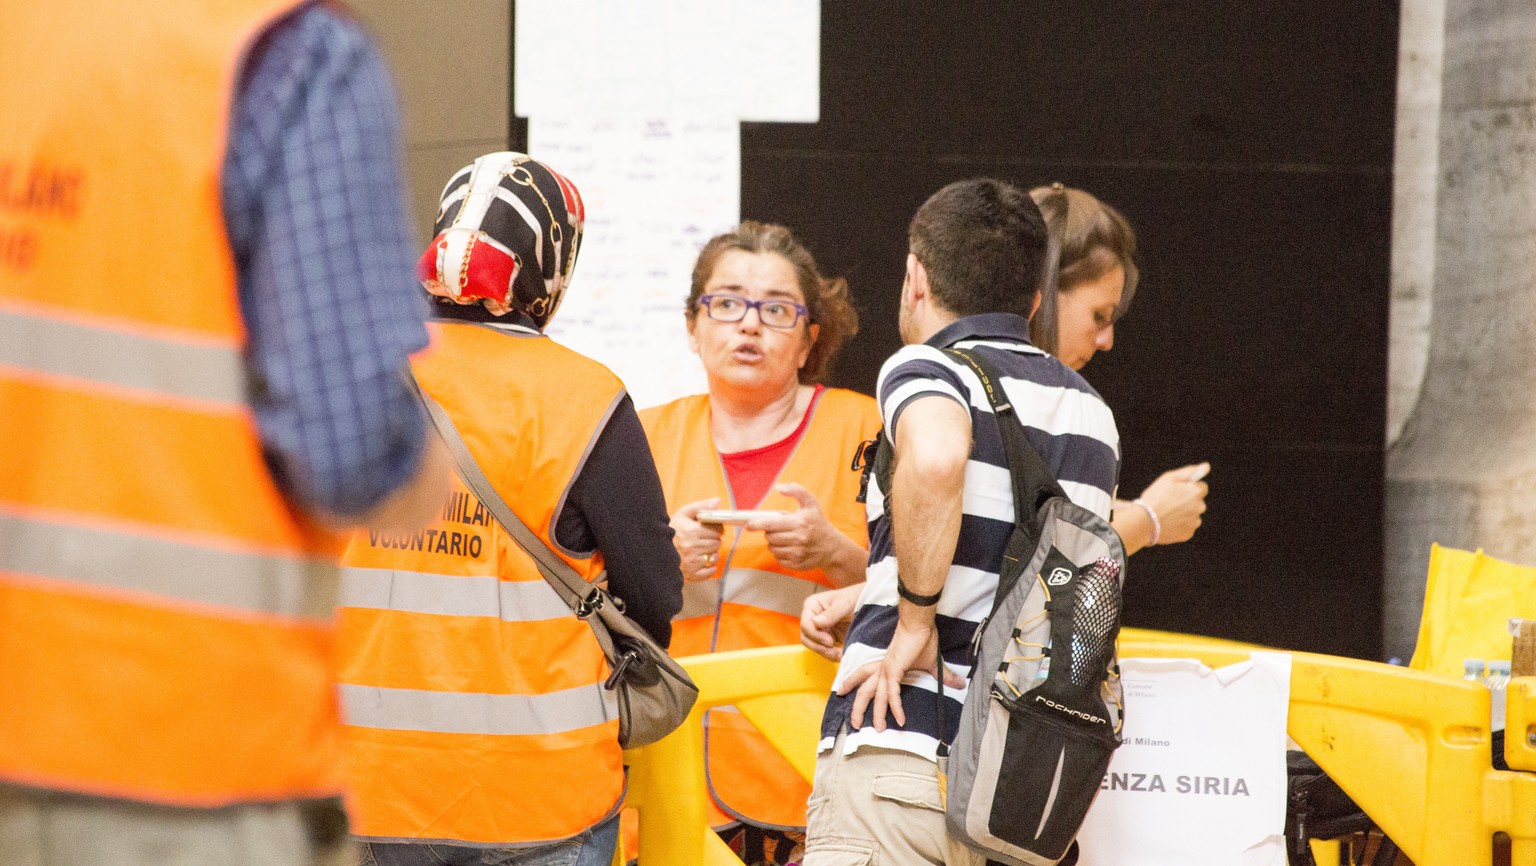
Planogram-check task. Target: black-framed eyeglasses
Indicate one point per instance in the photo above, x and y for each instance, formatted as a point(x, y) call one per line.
point(773, 312)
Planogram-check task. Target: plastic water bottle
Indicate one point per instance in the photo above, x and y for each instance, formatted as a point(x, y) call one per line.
point(1497, 682)
point(1498, 674)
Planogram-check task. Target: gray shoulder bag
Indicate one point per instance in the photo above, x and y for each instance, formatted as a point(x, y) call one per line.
point(654, 694)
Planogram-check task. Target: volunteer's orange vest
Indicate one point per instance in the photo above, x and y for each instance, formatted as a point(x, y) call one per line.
point(472, 696)
point(164, 616)
point(756, 601)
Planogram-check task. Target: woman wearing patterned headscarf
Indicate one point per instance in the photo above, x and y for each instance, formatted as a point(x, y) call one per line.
point(476, 718)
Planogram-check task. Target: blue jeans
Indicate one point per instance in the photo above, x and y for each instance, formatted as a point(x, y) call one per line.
point(595, 847)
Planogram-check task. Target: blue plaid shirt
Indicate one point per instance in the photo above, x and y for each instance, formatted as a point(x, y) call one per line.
point(316, 216)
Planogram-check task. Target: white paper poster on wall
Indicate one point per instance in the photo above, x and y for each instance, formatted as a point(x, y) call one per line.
point(778, 60)
point(1201, 775)
point(743, 59)
point(655, 191)
point(640, 105)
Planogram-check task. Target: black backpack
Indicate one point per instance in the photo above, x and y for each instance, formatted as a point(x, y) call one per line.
point(1317, 808)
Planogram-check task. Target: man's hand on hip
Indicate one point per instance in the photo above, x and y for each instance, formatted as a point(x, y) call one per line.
point(914, 647)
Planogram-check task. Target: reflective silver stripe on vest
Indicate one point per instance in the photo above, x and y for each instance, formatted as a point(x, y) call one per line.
point(420, 592)
point(246, 582)
point(475, 712)
point(199, 372)
point(768, 590)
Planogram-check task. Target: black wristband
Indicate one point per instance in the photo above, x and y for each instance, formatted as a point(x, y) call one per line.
point(919, 600)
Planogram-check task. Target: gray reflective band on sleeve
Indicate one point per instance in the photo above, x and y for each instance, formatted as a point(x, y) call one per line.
point(288, 586)
point(700, 598)
point(768, 590)
point(475, 712)
point(111, 357)
point(420, 592)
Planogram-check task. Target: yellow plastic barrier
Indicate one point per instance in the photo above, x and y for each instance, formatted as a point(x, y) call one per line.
point(666, 778)
point(1410, 747)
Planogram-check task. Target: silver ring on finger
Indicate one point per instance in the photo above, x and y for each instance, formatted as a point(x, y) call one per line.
point(709, 559)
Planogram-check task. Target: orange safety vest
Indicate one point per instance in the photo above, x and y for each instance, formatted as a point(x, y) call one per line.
point(164, 614)
point(756, 601)
point(472, 695)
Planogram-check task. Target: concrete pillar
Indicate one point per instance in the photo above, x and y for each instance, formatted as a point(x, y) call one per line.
point(452, 61)
point(1464, 470)
point(1415, 181)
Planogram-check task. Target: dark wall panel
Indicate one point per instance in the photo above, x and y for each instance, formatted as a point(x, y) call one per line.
point(1251, 146)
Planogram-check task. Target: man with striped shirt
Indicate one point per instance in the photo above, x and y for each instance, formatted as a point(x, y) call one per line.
point(976, 254)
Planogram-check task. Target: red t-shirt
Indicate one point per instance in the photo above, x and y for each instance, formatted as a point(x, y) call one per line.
point(750, 473)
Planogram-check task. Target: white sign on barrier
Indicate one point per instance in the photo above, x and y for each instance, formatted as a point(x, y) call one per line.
point(1201, 775)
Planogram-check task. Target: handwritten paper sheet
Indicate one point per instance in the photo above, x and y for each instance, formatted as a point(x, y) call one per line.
point(639, 104)
point(741, 59)
point(655, 191)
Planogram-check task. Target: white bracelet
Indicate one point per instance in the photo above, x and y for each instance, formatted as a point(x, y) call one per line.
point(1157, 525)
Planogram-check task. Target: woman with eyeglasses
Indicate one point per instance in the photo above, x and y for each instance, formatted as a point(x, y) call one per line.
point(769, 439)
point(1095, 279)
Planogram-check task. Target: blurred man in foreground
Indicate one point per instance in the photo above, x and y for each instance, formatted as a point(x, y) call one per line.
point(205, 305)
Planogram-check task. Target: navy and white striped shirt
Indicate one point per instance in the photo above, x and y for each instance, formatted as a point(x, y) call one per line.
point(1064, 419)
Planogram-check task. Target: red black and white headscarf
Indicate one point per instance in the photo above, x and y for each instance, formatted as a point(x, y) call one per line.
point(507, 233)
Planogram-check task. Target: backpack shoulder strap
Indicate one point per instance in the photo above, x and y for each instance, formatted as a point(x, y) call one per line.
point(1033, 483)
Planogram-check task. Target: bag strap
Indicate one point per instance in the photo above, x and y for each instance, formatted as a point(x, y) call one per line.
point(581, 596)
point(1033, 483)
